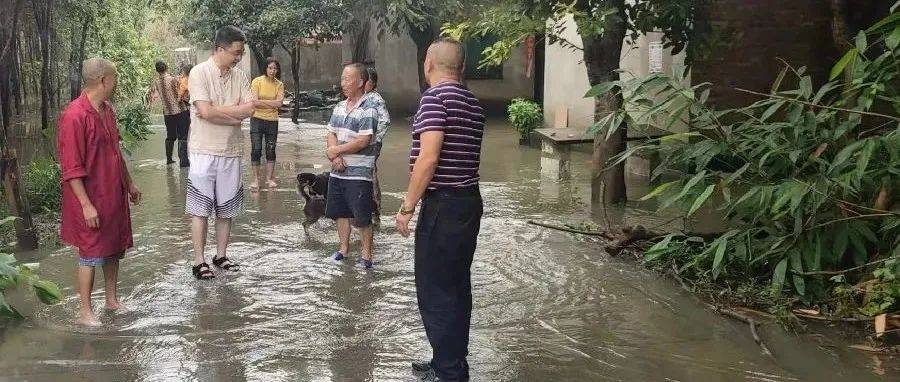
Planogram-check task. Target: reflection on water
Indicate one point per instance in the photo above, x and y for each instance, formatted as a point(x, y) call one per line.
point(548, 306)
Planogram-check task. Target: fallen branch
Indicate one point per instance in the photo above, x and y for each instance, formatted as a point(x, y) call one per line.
point(848, 270)
point(819, 106)
point(564, 229)
point(831, 319)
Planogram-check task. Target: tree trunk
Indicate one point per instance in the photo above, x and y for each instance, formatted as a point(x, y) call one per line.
point(78, 57)
point(359, 38)
point(42, 11)
point(294, 51)
point(261, 52)
point(839, 35)
point(422, 39)
point(18, 205)
point(601, 56)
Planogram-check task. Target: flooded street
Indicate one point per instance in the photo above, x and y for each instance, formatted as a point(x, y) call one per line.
point(548, 306)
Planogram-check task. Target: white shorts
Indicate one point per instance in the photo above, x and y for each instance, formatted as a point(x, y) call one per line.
point(214, 186)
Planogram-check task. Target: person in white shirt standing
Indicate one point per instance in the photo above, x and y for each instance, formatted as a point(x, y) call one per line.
point(220, 101)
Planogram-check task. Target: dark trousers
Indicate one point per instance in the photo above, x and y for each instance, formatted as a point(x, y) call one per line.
point(177, 127)
point(446, 236)
point(261, 129)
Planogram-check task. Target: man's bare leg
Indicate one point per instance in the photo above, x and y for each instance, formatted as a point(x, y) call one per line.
point(366, 234)
point(111, 276)
point(199, 227)
point(343, 227)
point(223, 231)
point(85, 278)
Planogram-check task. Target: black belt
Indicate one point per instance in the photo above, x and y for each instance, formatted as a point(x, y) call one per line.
point(453, 192)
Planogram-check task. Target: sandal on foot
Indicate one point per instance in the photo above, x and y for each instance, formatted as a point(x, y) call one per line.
point(202, 272)
point(226, 264)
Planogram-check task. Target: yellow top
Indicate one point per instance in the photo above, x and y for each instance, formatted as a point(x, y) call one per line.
point(266, 90)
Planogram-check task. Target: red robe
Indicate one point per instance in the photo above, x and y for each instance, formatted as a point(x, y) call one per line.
point(88, 148)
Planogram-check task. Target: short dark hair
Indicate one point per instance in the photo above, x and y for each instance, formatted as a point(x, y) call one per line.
point(161, 66)
point(272, 60)
point(361, 69)
point(227, 35)
point(186, 69)
point(373, 75)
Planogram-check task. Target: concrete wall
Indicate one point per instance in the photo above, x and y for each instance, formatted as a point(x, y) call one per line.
point(395, 59)
point(566, 79)
point(319, 68)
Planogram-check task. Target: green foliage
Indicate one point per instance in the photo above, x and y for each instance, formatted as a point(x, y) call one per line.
point(515, 20)
point(797, 174)
point(118, 36)
point(43, 186)
point(134, 124)
point(885, 295)
point(525, 116)
point(14, 275)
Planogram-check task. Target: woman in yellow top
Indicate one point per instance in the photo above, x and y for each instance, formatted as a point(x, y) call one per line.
point(264, 123)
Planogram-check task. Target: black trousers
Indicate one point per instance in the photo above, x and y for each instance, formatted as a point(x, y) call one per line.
point(262, 129)
point(177, 127)
point(446, 236)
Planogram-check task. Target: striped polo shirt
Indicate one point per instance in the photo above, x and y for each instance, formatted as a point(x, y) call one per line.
point(453, 109)
point(347, 125)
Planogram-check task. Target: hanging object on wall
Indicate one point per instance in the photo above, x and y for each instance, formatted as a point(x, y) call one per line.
point(655, 50)
point(529, 56)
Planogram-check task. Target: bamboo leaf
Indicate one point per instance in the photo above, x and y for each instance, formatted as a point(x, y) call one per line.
point(771, 110)
point(658, 249)
point(861, 43)
point(701, 199)
point(721, 246)
point(797, 266)
point(658, 190)
point(601, 88)
point(778, 276)
point(845, 61)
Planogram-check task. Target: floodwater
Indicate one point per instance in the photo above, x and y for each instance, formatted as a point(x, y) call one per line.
point(549, 306)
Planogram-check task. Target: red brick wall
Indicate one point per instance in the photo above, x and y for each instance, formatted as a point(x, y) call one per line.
point(757, 33)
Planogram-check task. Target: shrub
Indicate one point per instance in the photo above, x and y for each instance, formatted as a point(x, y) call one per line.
point(525, 116)
point(43, 186)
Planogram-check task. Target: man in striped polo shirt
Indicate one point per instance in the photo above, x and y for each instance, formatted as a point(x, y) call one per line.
point(352, 150)
point(444, 160)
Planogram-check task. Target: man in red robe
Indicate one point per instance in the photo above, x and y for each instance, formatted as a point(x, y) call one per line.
point(96, 186)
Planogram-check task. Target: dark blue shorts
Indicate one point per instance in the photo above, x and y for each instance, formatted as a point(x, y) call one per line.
point(350, 199)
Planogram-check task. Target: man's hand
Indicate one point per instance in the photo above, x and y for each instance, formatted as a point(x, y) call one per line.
point(332, 153)
point(338, 164)
point(401, 221)
point(134, 193)
point(247, 108)
point(91, 217)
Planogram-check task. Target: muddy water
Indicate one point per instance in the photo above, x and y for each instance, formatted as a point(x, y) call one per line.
point(548, 306)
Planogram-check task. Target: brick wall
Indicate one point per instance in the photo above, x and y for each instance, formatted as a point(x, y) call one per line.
point(756, 33)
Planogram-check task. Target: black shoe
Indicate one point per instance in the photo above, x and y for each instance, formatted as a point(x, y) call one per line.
point(429, 376)
point(421, 366)
point(168, 162)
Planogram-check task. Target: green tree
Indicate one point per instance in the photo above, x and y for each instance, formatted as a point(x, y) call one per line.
point(602, 26)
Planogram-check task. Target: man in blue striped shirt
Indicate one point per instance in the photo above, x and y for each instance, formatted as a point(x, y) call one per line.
point(352, 150)
point(444, 161)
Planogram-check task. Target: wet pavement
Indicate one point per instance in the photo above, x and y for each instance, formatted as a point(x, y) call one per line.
point(548, 306)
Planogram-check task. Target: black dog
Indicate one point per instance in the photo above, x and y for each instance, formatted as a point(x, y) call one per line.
point(314, 189)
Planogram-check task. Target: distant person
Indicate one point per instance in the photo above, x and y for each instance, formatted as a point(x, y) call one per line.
point(444, 160)
point(220, 101)
point(269, 90)
point(175, 113)
point(374, 100)
point(183, 94)
point(351, 148)
point(96, 186)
